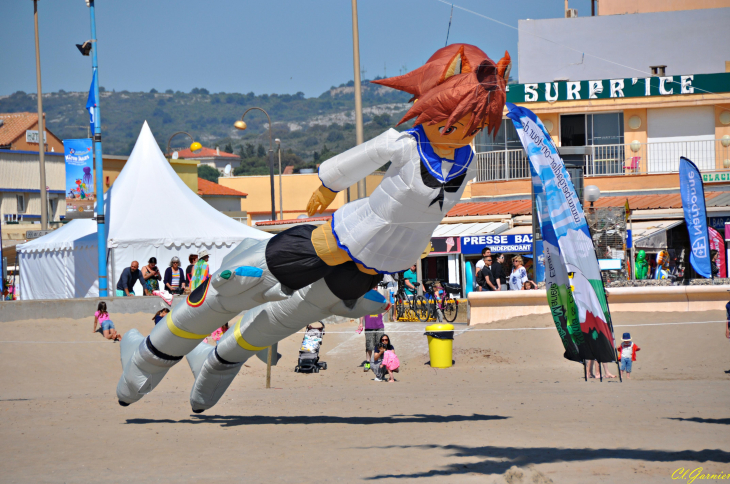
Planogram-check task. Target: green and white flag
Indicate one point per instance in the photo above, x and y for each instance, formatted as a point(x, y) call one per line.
point(572, 276)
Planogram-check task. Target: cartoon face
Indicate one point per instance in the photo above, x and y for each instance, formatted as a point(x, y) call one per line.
point(454, 138)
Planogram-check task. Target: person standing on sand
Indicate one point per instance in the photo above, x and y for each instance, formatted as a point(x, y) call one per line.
point(627, 353)
point(373, 325)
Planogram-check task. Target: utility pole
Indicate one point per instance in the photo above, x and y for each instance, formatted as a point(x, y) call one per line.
point(41, 124)
point(100, 219)
point(361, 189)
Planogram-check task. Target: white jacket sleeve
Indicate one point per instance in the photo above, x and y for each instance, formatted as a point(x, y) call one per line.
point(346, 169)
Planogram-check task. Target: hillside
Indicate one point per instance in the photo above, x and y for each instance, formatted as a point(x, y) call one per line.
point(310, 129)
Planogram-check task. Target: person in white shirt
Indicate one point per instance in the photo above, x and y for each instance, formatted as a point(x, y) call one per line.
point(519, 274)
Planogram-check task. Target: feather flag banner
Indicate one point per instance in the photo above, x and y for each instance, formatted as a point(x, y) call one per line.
point(575, 290)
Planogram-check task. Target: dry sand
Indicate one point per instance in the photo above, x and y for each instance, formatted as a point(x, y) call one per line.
point(510, 410)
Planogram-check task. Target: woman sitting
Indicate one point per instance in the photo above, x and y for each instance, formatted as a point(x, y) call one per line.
point(175, 280)
point(385, 360)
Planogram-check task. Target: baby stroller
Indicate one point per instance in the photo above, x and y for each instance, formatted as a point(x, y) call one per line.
point(309, 352)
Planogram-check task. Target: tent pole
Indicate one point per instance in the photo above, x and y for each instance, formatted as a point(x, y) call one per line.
point(585, 371)
point(600, 372)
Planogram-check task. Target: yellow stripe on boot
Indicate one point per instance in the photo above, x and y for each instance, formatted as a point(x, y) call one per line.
point(242, 342)
point(181, 332)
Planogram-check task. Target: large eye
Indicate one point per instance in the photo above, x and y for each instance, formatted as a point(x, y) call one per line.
point(447, 131)
point(475, 131)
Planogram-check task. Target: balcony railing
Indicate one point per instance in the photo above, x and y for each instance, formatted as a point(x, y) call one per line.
point(612, 160)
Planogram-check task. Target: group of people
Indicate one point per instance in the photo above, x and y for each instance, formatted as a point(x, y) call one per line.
point(491, 273)
point(175, 280)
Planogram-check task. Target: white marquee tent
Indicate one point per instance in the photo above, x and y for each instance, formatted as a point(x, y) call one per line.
point(150, 213)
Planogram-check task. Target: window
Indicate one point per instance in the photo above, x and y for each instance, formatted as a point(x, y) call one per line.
point(51, 211)
point(21, 203)
point(592, 129)
point(505, 138)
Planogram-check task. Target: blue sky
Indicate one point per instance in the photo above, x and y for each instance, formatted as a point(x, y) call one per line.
point(272, 46)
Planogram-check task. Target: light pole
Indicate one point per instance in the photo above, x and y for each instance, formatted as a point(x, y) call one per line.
point(100, 219)
point(241, 124)
point(194, 146)
point(361, 193)
point(281, 193)
point(41, 124)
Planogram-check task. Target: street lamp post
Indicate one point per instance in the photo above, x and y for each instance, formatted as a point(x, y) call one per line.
point(194, 146)
point(241, 125)
point(41, 124)
point(361, 190)
point(281, 193)
point(100, 219)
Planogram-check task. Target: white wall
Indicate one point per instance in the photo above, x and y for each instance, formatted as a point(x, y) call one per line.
point(687, 42)
point(688, 132)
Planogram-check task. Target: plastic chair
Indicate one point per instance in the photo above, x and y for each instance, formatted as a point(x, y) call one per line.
point(633, 167)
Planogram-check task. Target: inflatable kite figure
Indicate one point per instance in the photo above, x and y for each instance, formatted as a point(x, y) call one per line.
point(308, 272)
point(87, 176)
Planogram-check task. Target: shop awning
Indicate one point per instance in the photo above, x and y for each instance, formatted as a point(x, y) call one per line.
point(467, 229)
point(652, 235)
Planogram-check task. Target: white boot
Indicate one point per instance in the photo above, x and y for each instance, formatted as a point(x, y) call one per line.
point(264, 326)
point(242, 283)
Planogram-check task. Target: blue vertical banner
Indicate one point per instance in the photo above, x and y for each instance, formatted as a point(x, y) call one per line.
point(80, 195)
point(540, 262)
point(695, 216)
point(92, 101)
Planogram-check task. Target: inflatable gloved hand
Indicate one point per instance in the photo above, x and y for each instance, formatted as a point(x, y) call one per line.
point(320, 200)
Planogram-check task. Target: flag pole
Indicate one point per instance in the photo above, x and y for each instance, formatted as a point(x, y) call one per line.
point(585, 371)
point(600, 372)
point(100, 220)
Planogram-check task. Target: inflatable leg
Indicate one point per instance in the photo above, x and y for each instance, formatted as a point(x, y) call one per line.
point(263, 327)
point(243, 282)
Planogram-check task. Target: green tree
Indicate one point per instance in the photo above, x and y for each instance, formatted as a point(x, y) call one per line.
point(228, 148)
point(208, 173)
point(261, 151)
point(250, 150)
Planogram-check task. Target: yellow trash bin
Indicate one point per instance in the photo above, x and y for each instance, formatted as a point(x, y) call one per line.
point(440, 344)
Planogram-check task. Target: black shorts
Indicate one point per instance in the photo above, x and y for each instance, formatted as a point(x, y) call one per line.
point(292, 259)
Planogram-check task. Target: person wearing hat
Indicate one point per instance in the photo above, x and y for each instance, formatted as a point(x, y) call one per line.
point(200, 270)
point(627, 354)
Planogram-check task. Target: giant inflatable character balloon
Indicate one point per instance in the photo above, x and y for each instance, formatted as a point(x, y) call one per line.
point(308, 272)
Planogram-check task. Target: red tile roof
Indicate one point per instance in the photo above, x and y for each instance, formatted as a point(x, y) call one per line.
point(15, 125)
point(205, 153)
point(208, 188)
point(524, 207)
point(289, 170)
point(515, 207)
point(294, 221)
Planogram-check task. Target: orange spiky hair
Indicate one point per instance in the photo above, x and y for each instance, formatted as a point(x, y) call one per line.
point(457, 80)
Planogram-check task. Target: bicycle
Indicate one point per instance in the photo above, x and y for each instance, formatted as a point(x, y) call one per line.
point(440, 308)
point(407, 307)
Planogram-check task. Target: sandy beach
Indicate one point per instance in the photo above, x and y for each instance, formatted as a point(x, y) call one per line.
point(510, 410)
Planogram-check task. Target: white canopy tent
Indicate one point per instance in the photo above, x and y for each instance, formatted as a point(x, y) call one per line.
point(150, 213)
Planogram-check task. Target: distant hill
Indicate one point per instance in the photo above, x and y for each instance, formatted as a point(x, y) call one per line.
point(311, 129)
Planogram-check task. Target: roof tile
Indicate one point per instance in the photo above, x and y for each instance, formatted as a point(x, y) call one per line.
point(14, 125)
point(524, 207)
point(206, 187)
point(205, 153)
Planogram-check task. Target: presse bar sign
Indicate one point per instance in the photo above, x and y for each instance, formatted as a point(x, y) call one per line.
point(616, 88)
point(511, 244)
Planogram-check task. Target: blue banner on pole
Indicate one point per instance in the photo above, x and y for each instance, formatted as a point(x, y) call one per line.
point(695, 216)
point(92, 101)
point(80, 195)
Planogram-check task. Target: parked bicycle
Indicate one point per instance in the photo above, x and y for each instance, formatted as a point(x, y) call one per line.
point(408, 306)
point(440, 303)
